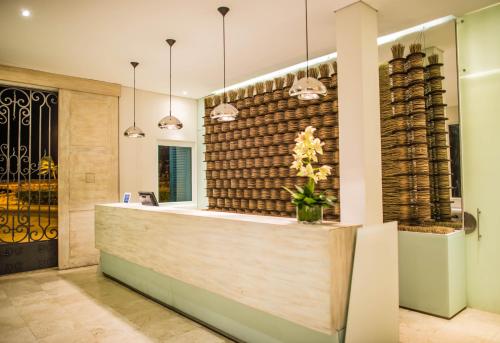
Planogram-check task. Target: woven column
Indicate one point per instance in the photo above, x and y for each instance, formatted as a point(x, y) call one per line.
point(417, 134)
point(398, 127)
point(439, 148)
point(389, 140)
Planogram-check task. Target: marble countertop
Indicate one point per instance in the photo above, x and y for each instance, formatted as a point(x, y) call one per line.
point(184, 210)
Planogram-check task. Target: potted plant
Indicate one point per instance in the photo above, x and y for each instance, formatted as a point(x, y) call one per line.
point(309, 203)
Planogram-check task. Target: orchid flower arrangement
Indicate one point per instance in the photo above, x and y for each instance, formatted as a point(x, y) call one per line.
point(305, 153)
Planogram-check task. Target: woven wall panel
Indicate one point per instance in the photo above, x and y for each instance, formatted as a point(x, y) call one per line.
point(248, 160)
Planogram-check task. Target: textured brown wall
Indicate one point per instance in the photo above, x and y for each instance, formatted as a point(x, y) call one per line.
point(248, 160)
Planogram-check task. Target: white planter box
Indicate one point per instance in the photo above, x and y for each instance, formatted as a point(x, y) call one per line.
point(432, 272)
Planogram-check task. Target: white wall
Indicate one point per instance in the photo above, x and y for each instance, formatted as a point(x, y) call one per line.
point(201, 165)
point(138, 157)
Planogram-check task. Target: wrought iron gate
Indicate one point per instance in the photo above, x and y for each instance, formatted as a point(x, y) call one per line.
point(28, 179)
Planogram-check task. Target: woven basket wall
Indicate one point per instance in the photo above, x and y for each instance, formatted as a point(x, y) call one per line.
point(415, 156)
point(248, 160)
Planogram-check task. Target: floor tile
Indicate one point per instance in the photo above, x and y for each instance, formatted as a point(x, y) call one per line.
point(196, 336)
point(82, 306)
point(10, 320)
point(22, 335)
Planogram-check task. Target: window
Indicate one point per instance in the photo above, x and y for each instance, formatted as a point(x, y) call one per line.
point(174, 173)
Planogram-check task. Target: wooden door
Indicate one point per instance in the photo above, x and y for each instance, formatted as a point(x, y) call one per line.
point(88, 149)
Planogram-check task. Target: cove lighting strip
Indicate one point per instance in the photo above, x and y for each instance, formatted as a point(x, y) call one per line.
point(380, 41)
point(479, 74)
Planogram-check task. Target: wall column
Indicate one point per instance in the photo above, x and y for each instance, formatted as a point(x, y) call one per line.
point(359, 114)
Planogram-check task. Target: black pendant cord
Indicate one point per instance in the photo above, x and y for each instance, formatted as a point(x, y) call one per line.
point(307, 45)
point(170, 42)
point(224, 53)
point(134, 96)
point(170, 82)
point(223, 11)
point(134, 64)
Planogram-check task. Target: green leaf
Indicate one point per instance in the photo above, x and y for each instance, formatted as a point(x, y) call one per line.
point(288, 190)
point(310, 185)
point(309, 188)
point(331, 198)
point(300, 189)
point(309, 201)
point(298, 196)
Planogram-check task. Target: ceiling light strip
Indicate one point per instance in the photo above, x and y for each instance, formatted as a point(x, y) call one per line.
point(479, 74)
point(322, 59)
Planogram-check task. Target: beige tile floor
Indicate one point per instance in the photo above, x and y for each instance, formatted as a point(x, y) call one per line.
point(80, 305)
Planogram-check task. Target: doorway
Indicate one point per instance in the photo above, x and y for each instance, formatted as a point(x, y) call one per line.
point(28, 179)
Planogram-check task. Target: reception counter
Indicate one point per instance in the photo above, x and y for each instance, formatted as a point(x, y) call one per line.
point(255, 278)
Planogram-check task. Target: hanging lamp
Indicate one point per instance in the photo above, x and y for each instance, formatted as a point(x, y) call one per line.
point(134, 131)
point(170, 122)
point(224, 111)
point(307, 88)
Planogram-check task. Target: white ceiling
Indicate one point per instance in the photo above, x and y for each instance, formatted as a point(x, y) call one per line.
point(97, 39)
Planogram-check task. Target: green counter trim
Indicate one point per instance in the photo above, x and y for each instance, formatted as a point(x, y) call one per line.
point(228, 316)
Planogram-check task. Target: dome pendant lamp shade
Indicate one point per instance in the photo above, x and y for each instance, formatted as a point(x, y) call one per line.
point(134, 131)
point(307, 88)
point(224, 111)
point(170, 122)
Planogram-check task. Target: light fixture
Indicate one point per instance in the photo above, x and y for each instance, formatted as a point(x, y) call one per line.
point(25, 12)
point(134, 131)
point(224, 111)
point(331, 56)
point(482, 73)
point(170, 122)
point(307, 88)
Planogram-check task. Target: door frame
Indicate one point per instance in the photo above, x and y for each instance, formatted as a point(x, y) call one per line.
point(11, 75)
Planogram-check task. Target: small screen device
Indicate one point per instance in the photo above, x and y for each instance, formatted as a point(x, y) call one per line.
point(126, 197)
point(148, 199)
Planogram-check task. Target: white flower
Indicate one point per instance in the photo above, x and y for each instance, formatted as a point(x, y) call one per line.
point(306, 170)
point(323, 172)
point(318, 146)
point(297, 164)
point(305, 152)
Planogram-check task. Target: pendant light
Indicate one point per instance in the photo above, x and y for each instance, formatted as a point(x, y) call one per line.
point(224, 111)
point(134, 131)
point(307, 88)
point(170, 122)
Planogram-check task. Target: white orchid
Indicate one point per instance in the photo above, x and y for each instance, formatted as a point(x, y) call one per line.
point(305, 153)
point(306, 149)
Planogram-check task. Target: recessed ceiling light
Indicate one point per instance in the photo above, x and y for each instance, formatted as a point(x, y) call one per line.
point(184, 93)
point(25, 13)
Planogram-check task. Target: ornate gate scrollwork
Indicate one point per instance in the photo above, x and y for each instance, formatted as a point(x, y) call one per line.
point(28, 177)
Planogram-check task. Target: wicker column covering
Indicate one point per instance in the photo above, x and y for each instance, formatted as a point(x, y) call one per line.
point(418, 153)
point(414, 151)
point(390, 166)
point(248, 160)
point(439, 148)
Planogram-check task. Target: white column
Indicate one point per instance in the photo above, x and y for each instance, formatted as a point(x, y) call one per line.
point(359, 114)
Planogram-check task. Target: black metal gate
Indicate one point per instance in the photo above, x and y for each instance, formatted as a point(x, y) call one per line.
point(28, 179)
